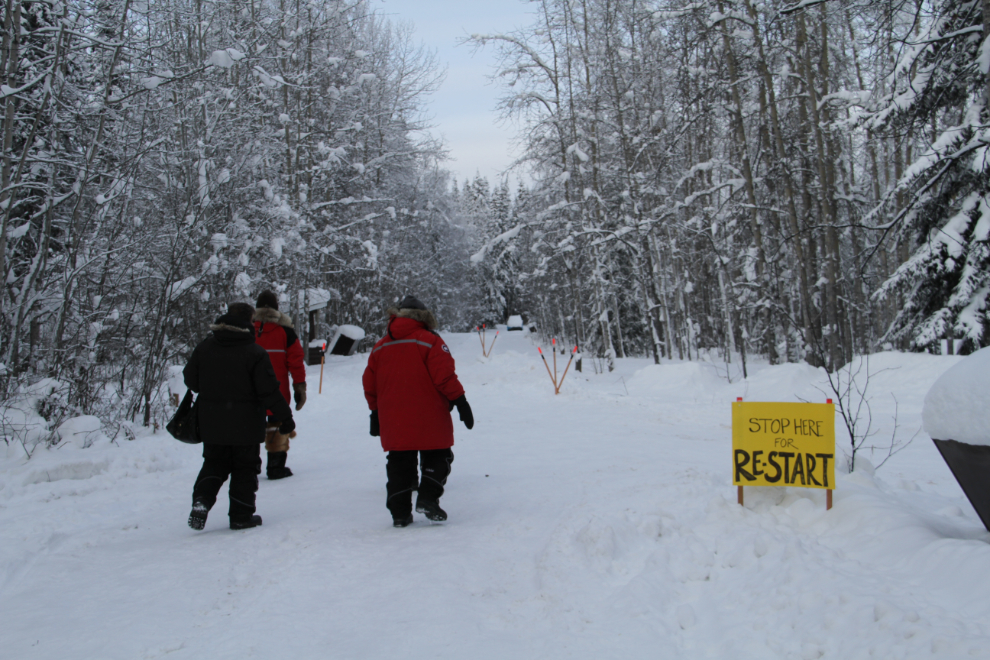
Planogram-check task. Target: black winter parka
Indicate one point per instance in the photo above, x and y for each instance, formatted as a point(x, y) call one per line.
point(236, 384)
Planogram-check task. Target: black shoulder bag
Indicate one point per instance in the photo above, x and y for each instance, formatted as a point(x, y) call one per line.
point(184, 425)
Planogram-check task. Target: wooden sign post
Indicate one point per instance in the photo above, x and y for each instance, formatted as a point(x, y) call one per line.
point(783, 444)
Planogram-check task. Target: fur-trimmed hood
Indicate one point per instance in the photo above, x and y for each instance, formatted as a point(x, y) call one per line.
point(229, 328)
point(269, 315)
point(236, 320)
point(424, 316)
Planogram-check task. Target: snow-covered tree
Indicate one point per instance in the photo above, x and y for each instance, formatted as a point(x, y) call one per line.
point(162, 159)
point(941, 89)
point(496, 266)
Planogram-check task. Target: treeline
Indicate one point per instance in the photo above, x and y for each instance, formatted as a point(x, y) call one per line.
point(161, 158)
point(803, 181)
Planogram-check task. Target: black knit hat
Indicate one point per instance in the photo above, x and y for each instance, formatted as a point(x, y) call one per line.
point(238, 315)
point(410, 302)
point(267, 299)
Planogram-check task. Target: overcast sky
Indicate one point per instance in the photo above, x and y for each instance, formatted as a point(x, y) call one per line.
point(463, 110)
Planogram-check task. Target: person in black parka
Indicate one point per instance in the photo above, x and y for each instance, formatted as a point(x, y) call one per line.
point(236, 384)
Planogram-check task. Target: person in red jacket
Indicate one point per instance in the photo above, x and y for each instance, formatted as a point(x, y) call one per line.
point(274, 333)
point(411, 387)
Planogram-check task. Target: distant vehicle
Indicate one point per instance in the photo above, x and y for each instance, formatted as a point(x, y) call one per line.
point(514, 323)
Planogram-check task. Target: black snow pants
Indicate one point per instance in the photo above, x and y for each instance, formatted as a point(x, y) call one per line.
point(402, 478)
point(242, 463)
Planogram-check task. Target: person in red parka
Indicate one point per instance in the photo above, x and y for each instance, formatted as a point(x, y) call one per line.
point(273, 332)
point(411, 388)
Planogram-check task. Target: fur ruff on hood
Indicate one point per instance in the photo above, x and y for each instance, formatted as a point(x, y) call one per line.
point(269, 315)
point(226, 326)
point(424, 316)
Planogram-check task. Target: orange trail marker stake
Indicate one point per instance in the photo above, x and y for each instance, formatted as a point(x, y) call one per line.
point(548, 368)
point(493, 344)
point(323, 358)
point(573, 353)
point(478, 330)
point(554, 343)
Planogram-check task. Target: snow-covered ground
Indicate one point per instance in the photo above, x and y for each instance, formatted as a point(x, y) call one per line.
point(600, 523)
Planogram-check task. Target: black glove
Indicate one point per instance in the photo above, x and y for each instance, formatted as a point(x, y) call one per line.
point(375, 430)
point(464, 410)
point(287, 426)
point(299, 390)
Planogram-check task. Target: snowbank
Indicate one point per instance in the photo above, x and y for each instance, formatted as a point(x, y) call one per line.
point(600, 522)
point(695, 380)
point(22, 424)
point(83, 431)
point(957, 407)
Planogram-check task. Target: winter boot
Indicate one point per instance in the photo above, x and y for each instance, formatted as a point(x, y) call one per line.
point(197, 517)
point(432, 510)
point(276, 465)
point(245, 523)
point(402, 522)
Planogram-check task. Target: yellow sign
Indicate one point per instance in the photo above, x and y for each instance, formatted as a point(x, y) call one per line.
point(783, 444)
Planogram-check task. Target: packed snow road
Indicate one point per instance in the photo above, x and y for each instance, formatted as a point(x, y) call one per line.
point(600, 523)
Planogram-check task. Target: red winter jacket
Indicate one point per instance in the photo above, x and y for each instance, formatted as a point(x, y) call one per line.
point(410, 381)
point(274, 333)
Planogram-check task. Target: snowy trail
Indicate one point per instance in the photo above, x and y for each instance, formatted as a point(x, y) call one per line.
point(600, 523)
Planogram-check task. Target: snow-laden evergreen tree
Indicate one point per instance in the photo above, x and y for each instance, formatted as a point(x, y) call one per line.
point(495, 262)
point(475, 214)
point(941, 89)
